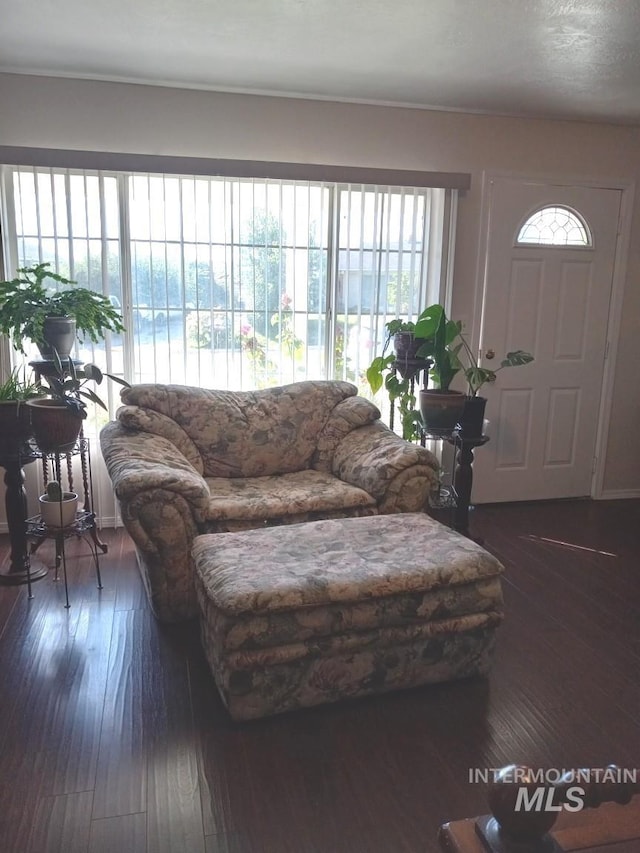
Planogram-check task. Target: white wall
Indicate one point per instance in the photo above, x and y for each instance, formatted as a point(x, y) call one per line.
point(88, 115)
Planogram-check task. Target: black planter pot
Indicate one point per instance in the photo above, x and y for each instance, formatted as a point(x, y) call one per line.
point(441, 410)
point(406, 345)
point(472, 418)
point(407, 363)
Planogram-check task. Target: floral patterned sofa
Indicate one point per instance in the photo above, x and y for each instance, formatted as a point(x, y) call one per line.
point(186, 461)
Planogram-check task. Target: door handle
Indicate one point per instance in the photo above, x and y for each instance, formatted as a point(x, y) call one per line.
point(489, 354)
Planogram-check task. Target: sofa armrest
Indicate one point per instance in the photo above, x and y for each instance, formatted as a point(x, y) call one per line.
point(163, 502)
point(350, 414)
point(399, 475)
point(163, 528)
point(141, 462)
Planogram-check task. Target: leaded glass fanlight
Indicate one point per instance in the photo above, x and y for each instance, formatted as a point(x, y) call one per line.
point(554, 226)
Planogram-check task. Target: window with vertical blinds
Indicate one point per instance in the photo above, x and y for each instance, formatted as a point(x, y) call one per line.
point(232, 283)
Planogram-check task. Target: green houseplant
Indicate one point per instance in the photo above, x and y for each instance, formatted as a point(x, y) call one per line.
point(405, 343)
point(18, 389)
point(441, 343)
point(32, 309)
point(440, 407)
point(56, 420)
point(473, 415)
point(396, 370)
point(451, 355)
point(477, 376)
point(402, 333)
point(15, 429)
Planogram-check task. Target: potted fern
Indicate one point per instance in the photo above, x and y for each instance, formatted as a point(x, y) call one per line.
point(33, 308)
point(15, 429)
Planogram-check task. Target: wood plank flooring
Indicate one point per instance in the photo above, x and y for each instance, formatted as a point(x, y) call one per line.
point(112, 736)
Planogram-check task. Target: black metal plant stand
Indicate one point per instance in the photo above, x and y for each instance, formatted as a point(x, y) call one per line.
point(84, 524)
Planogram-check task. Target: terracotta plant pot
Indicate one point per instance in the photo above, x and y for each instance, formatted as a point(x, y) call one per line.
point(441, 410)
point(55, 428)
point(59, 513)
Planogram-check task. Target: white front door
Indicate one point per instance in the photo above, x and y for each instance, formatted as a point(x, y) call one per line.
point(553, 301)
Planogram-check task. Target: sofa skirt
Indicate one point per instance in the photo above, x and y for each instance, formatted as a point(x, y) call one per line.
point(256, 684)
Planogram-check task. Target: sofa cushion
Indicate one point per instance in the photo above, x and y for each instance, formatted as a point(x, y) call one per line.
point(338, 561)
point(344, 576)
point(273, 497)
point(249, 433)
point(348, 415)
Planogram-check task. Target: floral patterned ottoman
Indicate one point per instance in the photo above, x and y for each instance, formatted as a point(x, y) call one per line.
point(303, 614)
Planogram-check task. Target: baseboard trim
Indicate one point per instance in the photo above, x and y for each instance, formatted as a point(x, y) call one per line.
point(618, 494)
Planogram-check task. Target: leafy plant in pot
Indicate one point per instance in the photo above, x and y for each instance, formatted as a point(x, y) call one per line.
point(472, 419)
point(396, 371)
point(57, 419)
point(31, 309)
point(440, 407)
point(58, 508)
point(15, 428)
point(405, 343)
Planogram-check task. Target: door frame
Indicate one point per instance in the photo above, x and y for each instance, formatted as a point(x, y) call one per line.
point(627, 189)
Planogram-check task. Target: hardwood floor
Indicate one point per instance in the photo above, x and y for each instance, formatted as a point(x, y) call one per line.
point(112, 736)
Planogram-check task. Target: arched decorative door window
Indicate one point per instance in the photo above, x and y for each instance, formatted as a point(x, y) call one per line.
point(554, 226)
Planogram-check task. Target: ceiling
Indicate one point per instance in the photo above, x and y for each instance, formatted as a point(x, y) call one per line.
point(577, 59)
